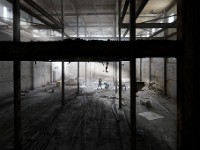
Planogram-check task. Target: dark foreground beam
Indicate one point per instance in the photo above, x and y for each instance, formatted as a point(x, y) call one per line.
point(72, 50)
point(150, 25)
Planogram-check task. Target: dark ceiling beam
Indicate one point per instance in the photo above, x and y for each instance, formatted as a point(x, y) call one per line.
point(126, 4)
point(151, 25)
point(42, 11)
point(30, 12)
point(82, 50)
point(171, 35)
point(125, 33)
point(161, 30)
point(33, 14)
point(140, 8)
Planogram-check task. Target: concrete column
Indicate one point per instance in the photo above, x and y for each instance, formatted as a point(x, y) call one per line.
point(132, 78)
point(32, 72)
point(78, 71)
point(165, 76)
point(63, 83)
point(77, 20)
point(149, 69)
point(17, 81)
point(120, 84)
point(16, 21)
point(85, 73)
point(140, 69)
point(115, 77)
point(133, 102)
point(17, 105)
point(132, 20)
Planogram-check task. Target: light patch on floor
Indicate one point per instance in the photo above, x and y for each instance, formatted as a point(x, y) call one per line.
point(150, 115)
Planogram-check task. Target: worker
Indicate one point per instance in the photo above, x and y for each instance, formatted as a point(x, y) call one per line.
point(99, 85)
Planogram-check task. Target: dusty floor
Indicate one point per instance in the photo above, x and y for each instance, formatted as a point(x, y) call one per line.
point(88, 121)
point(156, 120)
point(38, 111)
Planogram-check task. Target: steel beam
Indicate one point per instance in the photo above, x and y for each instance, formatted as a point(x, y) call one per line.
point(17, 81)
point(63, 83)
point(125, 33)
point(120, 85)
point(161, 30)
point(132, 20)
point(62, 18)
point(119, 19)
point(30, 12)
point(151, 25)
point(42, 11)
point(140, 8)
point(133, 102)
point(124, 10)
point(78, 74)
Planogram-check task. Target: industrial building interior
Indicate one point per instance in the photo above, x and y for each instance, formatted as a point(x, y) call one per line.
point(97, 74)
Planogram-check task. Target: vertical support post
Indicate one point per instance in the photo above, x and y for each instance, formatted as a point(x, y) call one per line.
point(115, 26)
point(132, 78)
point(62, 18)
point(113, 73)
point(85, 73)
point(77, 21)
point(149, 69)
point(133, 103)
point(120, 85)
point(165, 76)
point(90, 71)
point(140, 69)
point(119, 18)
point(63, 83)
point(17, 81)
point(132, 20)
point(17, 106)
point(78, 68)
point(116, 77)
point(16, 21)
point(32, 73)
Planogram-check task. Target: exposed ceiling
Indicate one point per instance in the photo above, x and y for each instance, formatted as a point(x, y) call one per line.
point(96, 18)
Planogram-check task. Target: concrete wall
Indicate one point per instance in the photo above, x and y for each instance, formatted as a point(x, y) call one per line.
point(6, 79)
point(171, 77)
point(157, 71)
point(137, 69)
point(145, 70)
point(42, 73)
point(157, 74)
point(26, 75)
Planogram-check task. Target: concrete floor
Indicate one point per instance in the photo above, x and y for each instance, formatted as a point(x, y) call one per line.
point(38, 111)
point(159, 133)
point(87, 121)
